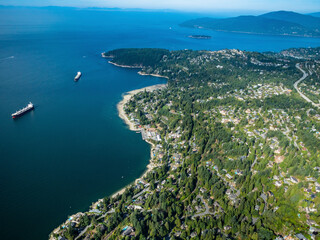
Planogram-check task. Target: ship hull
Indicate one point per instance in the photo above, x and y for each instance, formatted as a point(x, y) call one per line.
point(21, 114)
point(78, 76)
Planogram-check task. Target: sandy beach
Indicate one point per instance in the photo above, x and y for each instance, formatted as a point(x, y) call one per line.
point(126, 98)
point(120, 106)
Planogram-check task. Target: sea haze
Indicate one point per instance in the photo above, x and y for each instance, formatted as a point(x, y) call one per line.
point(73, 148)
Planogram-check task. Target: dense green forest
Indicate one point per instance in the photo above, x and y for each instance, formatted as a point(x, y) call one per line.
point(235, 150)
point(137, 57)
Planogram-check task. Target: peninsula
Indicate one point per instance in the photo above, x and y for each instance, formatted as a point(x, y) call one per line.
point(235, 149)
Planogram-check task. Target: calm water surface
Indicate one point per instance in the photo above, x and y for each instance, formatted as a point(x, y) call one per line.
point(73, 148)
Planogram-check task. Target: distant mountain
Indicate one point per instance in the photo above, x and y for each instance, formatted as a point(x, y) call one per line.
point(276, 23)
point(310, 22)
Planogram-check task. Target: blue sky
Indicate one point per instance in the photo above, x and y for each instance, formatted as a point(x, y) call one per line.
point(185, 5)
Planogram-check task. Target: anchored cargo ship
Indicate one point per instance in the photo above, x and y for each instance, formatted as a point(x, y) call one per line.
point(23, 111)
point(78, 76)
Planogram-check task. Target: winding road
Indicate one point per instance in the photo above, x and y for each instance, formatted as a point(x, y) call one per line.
point(300, 80)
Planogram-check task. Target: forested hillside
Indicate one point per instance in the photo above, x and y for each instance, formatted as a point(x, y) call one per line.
point(235, 149)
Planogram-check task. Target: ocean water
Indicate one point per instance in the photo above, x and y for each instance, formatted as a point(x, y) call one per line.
point(73, 148)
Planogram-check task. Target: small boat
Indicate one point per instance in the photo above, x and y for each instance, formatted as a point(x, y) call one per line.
point(22, 111)
point(78, 76)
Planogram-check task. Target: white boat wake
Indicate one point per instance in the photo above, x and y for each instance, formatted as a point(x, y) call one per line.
point(11, 57)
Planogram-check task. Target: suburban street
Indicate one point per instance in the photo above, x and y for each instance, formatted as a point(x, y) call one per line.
point(206, 206)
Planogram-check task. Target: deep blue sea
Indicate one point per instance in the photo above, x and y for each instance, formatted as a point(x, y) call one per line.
point(73, 148)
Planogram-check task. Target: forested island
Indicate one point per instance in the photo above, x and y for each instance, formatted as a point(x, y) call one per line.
point(200, 36)
point(235, 149)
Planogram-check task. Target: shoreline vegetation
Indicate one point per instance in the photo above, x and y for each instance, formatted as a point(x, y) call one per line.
point(122, 114)
point(120, 107)
point(133, 67)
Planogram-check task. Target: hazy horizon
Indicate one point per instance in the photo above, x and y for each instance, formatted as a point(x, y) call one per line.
point(204, 6)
